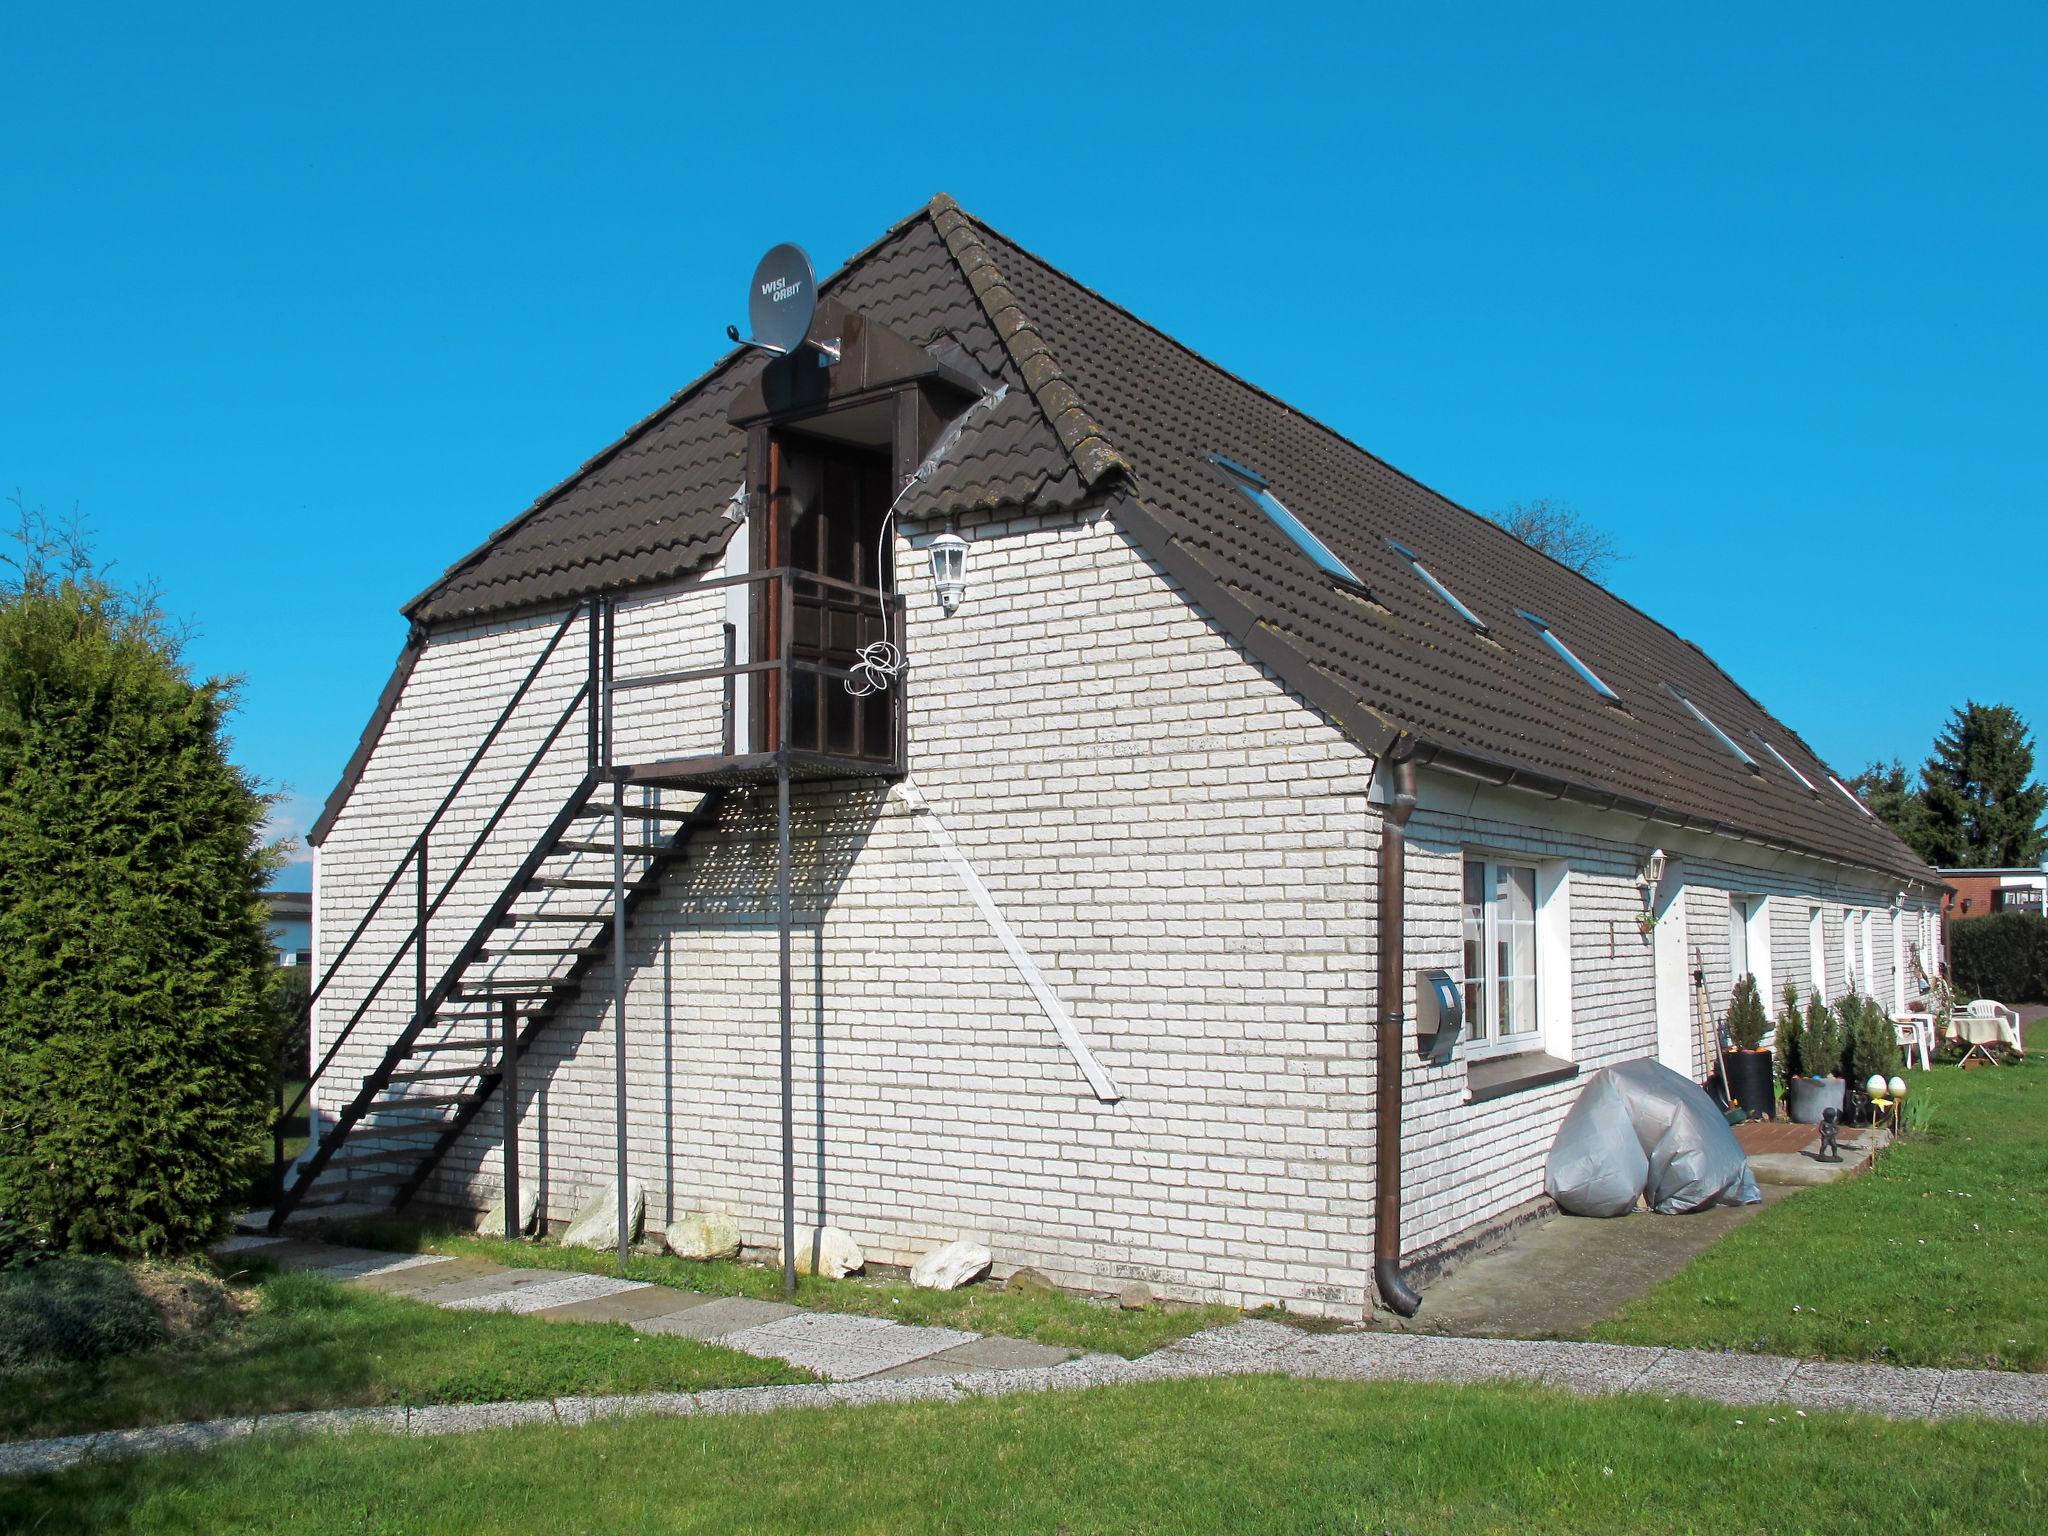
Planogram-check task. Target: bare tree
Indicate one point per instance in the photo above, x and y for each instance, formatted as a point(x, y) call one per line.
point(1562, 534)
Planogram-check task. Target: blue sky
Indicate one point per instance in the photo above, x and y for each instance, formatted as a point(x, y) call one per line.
point(298, 303)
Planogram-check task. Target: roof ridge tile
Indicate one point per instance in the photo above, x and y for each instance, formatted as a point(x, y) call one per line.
point(1094, 456)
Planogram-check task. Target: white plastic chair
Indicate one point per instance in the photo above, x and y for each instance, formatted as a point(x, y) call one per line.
point(1915, 1032)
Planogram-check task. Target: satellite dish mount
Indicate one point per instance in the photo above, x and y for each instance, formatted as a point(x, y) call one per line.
point(781, 306)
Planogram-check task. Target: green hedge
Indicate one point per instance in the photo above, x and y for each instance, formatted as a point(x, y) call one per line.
point(2004, 956)
point(136, 1021)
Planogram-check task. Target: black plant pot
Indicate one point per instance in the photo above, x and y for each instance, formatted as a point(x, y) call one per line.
point(1751, 1082)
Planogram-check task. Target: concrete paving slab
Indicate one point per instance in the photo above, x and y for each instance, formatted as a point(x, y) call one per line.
point(994, 1353)
point(884, 1389)
point(1726, 1378)
point(728, 1314)
point(30, 1458)
point(2018, 1395)
point(936, 1365)
point(1559, 1276)
point(625, 1306)
point(844, 1348)
point(1368, 1355)
point(416, 1282)
point(1248, 1345)
point(242, 1242)
point(559, 1291)
point(1895, 1391)
point(388, 1264)
point(494, 1281)
point(304, 1253)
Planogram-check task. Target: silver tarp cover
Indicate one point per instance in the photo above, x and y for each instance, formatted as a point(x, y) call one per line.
point(1642, 1129)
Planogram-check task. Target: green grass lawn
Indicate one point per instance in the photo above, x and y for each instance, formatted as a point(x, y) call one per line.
point(1936, 1256)
point(1226, 1455)
point(311, 1343)
point(1072, 1321)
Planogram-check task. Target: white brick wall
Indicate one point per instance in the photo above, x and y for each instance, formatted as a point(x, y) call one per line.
point(1185, 851)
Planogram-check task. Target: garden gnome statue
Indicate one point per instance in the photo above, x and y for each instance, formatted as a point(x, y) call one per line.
point(1829, 1130)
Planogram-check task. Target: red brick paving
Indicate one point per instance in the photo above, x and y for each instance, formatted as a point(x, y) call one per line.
point(1756, 1136)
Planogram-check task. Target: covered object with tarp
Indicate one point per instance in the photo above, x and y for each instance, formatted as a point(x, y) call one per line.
point(1641, 1131)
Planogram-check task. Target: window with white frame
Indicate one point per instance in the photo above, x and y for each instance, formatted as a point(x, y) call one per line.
point(1816, 954)
point(1848, 950)
point(1866, 946)
point(1501, 1011)
point(1749, 944)
point(1738, 938)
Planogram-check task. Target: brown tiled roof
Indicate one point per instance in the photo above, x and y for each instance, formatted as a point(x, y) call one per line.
point(648, 508)
point(1103, 404)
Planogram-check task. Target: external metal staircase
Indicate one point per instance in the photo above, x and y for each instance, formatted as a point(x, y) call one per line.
point(464, 1042)
point(561, 913)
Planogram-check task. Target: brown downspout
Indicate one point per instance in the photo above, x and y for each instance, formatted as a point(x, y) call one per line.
point(1393, 1034)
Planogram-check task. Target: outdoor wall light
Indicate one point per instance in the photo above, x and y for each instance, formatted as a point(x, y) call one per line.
point(1898, 902)
point(1648, 878)
point(948, 553)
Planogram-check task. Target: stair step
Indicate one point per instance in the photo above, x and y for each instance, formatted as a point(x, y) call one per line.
point(427, 1074)
point(537, 954)
point(631, 850)
point(518, 986)
point(413, 1131)
point(567, 883)
point(441, 1101)
point(478, 1043)
point(347, 1160)
point(645, 812)
point(513, 919)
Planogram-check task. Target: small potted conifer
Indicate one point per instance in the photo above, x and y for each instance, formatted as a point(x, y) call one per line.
point(1746, 1065)
point(1812, 1066)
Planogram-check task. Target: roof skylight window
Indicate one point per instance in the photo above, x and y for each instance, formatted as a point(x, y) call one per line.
point(1850, 795)
point(1786, 764)
point(1734, 747)
point(1586, 674)
point(1415, 564)
point(1254, 485)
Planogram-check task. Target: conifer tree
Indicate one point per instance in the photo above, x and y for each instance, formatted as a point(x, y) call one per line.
point(135, 1030)
point(1982, 811)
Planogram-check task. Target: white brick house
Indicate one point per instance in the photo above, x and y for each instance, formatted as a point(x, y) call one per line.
point(1085, 918)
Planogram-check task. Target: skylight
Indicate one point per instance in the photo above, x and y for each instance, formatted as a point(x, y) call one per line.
point(1849, 794)
point(1254, 485)
point(1785, 763)
point(1719, 735)
point(1586, 674)
point(1415, 564)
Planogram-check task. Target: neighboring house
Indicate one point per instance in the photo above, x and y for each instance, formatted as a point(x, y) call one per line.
point(1102, 932)
point(291, 925)
point(1981, 892)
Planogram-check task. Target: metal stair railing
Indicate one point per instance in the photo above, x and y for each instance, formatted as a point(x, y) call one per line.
point(415, 858)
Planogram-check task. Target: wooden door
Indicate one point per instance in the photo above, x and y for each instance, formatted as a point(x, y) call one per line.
point(828, 501)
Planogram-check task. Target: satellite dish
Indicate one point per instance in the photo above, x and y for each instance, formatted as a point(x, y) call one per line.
point(782, 303)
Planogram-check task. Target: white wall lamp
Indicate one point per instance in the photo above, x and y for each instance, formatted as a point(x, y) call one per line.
point(1898, 902)
point(1648, 878)
point(948, 553)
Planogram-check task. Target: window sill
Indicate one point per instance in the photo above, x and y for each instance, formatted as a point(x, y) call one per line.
point(1498, 1076)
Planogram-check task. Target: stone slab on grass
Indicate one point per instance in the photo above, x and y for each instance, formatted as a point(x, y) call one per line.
point(716, 1319)
point(559, 1291)
point(625, 1306)
point(463, 1418)
point(418, 1281)
point(994, 1353)
point(844, 1348)
point(386, 1264)
point(494, 1281)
